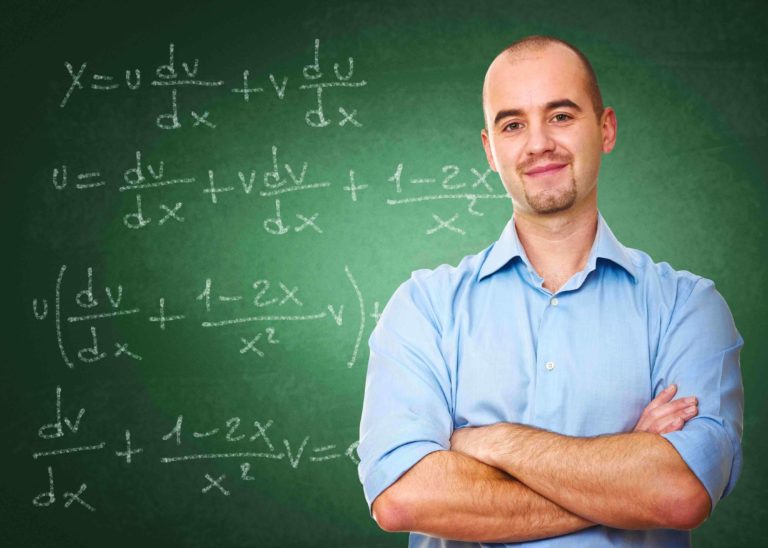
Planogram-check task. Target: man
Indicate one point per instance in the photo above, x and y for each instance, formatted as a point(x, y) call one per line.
point(526, 394)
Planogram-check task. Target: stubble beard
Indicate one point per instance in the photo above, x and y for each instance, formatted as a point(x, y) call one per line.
point(551, 200)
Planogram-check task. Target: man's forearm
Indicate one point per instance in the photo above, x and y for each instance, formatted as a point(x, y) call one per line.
point(451, 495)
point(630, 481)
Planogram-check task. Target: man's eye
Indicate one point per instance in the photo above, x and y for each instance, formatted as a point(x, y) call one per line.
point(512, 126)
point(565, 117)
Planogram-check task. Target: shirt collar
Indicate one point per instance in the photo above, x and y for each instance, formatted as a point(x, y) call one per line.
point(605, 246)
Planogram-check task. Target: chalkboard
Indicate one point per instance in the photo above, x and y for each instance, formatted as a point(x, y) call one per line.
point(206, 209)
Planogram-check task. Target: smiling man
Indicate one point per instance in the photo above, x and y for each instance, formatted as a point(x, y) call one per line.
point(528, 394)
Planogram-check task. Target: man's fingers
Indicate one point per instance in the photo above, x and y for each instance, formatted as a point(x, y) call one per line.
point(674, 415)
point(673, 408)
point(669, 408)
point(672, 426)
point(662, 415)
point(664, 396)
point(668, 416)
point(676, 422)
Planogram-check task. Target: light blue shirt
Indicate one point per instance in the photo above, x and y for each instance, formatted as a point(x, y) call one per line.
point(485, 342)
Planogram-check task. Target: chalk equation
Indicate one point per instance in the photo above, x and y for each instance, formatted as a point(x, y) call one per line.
point(245, 441)
point(174, 76)
point(276, 181)
point(281, 303)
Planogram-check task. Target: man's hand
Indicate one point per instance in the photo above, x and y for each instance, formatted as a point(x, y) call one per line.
point(662, 415)
point(477, 442)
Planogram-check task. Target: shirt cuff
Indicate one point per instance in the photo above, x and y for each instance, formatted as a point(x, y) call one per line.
point(706, 448)
point(393, 465)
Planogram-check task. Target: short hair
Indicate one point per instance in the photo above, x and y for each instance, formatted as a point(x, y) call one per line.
point(538, 41)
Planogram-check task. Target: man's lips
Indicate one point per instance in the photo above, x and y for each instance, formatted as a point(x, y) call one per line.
point(545, 170)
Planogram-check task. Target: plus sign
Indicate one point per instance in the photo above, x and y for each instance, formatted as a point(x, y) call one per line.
point(213, 191)
point(353, 188)
point(162, 318)
point(246, 91)
point(128, 451)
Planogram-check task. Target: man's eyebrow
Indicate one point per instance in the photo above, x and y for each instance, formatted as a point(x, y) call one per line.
point(558, 103)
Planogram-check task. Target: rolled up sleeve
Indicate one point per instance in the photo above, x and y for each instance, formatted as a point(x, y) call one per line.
point(700, 353)
point(406, 410)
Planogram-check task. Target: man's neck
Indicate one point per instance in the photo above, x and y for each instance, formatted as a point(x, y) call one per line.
point(557, 245)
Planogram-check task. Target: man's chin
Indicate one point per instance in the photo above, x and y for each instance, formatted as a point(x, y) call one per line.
point(552, 210)
point(549, 205)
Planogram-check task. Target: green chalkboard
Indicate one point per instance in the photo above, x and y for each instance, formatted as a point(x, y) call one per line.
point(205, 209)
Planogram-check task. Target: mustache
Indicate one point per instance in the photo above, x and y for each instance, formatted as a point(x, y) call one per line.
point(543, 160)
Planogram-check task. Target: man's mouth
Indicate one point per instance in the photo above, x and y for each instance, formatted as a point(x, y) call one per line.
point(543, 171)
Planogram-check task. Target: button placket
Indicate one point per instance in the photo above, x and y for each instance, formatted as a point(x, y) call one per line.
point(549, 352)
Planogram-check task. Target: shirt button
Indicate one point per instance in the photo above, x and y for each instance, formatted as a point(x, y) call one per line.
point(550, 366)
point(554, 301)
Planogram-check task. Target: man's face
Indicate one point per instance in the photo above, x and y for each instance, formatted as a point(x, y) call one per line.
point(539, 115)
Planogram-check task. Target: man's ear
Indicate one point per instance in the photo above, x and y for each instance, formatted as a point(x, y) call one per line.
point(487, 148)
point(609, 129)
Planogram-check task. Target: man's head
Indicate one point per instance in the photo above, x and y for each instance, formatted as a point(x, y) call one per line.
point(542, 108)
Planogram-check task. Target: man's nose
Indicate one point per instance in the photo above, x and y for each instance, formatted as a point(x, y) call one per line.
point(539, 139)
